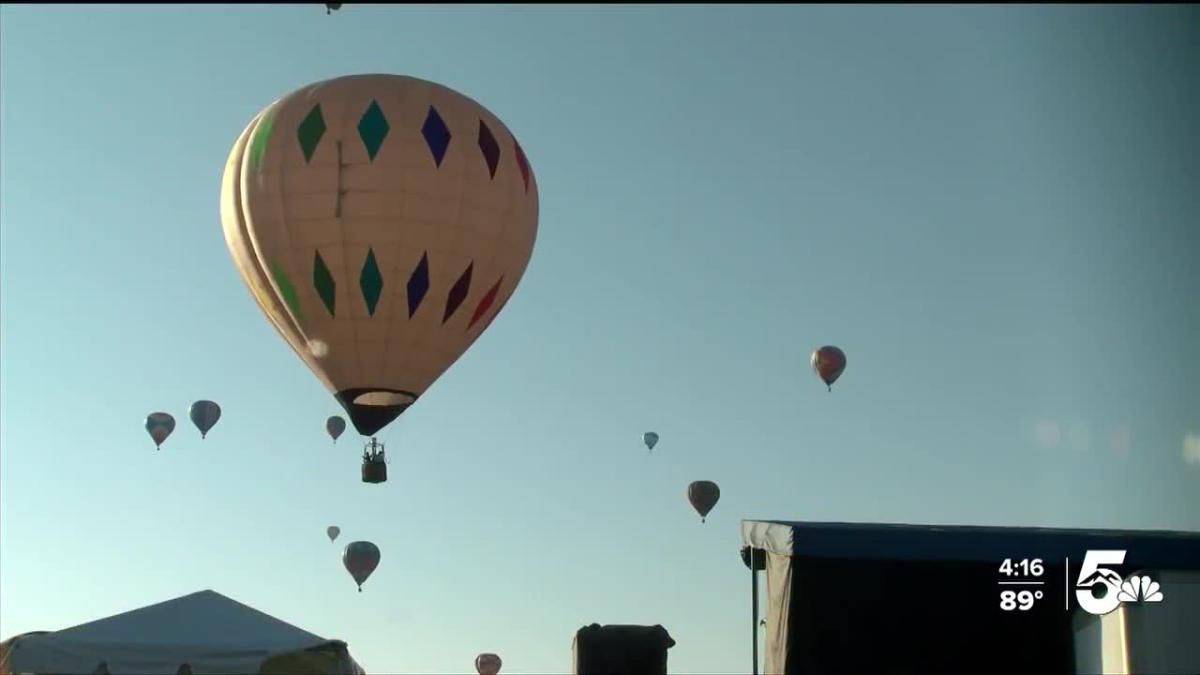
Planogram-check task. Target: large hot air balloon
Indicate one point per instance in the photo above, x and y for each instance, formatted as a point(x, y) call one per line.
point(360, 558)
point(334, 426)
point(159, 425)
point(829, 362)
point(332, 532)
point(703, 494)
point(381, 222)
point(650, 439)
point(488, 664)
point(205, 415)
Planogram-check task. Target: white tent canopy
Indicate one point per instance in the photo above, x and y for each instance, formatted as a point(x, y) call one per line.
point(212, 634)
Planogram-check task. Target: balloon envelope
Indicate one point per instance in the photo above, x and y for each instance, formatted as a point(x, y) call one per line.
point(381, 222)
point(650, 439)
point(159, 425)
point(205, 415)
point(334, 426)
point(488, 664)
point(360, 559)
point(333, 531)
point(703, 494)
point(829, 362)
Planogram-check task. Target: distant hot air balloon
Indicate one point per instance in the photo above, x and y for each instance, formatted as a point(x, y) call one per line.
point(360, 559)
point(381, 222)
point(650, 439)
point(829, 362)
point(205, 415)
point(334, 426)
point(488, 664)
point(159, 425)
point(331, 7)
point(333, 531)
point(703, 494)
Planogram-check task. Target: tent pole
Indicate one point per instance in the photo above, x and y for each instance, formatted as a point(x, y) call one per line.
point(754, 609)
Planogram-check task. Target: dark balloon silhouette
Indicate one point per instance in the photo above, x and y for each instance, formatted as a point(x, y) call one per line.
point(829, 362)
point(703, 494)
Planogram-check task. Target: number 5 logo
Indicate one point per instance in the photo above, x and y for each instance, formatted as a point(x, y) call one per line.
point(1097, 587)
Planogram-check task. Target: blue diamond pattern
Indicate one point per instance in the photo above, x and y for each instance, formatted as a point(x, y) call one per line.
point(436, 134)
point(418, 285)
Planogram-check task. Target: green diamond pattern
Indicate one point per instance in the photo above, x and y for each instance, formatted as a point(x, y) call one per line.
point(286, 288)
point(258, 144)
point(372, 129)
point(311, 129)
point(371, 282)
point(323, 282)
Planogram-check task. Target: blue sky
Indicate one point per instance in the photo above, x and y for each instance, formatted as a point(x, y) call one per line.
point(993, 210)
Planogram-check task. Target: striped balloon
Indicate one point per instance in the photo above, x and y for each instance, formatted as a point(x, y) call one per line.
point(205, 415)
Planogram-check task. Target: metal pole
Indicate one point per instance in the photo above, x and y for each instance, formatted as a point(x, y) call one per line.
point(754, 609)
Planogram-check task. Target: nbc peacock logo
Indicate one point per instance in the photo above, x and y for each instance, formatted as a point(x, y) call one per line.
point(1140, 589)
